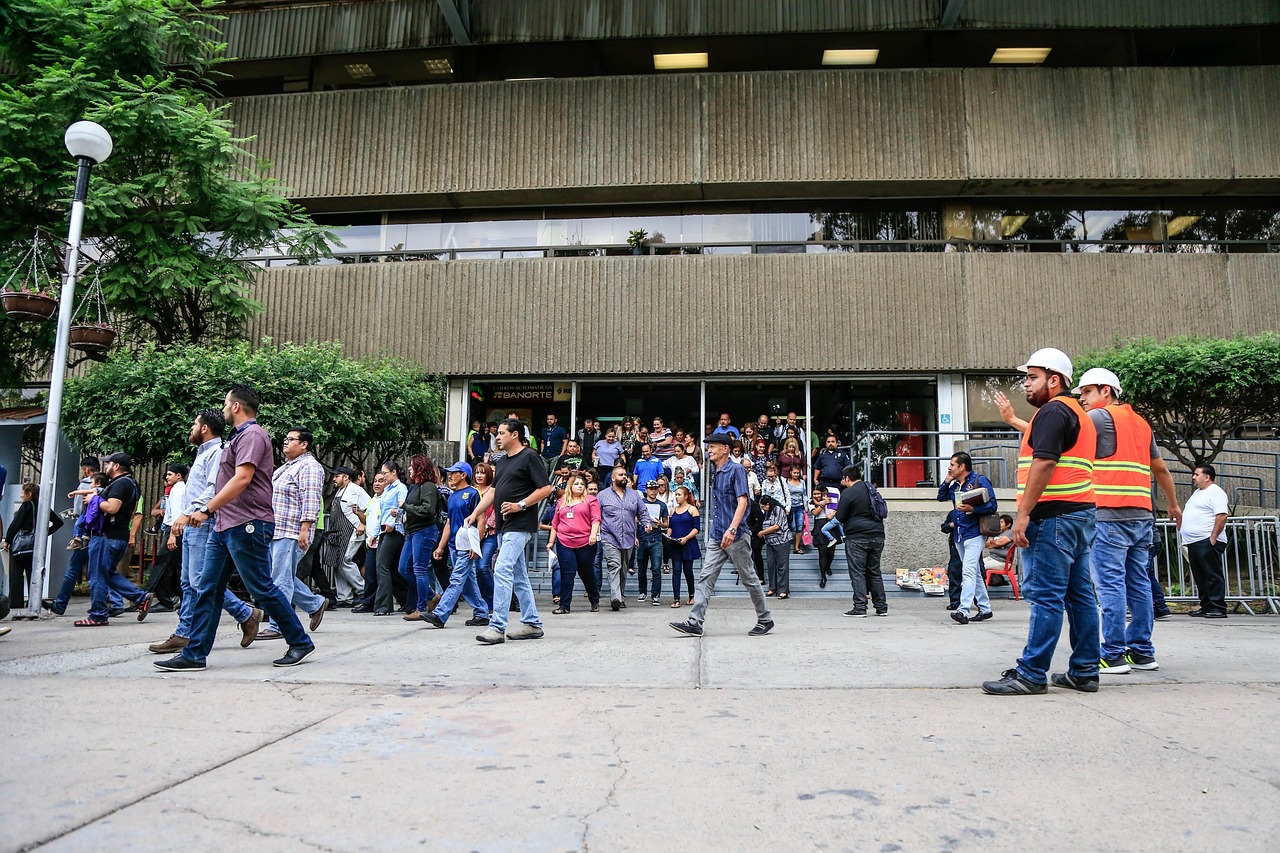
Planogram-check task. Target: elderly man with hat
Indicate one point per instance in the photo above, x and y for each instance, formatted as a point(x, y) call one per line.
point(726, 540)
point(1055, 529)
point(1127, 457)
point(462, 542)
point(119, 499)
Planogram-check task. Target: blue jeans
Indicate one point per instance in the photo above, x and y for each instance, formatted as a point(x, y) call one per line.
point(415, 567)
point(598, 566)
point(1056, 565)
point(796, 514)
point(79, 563)
point(462, 584)
point(247, 547)
point(484, 569)
point(511, 574)
point(1121, 554)
point(972, 588)
point(104, 556)
point(649, 558)
point(579, 562)
point(285, 556)
point(195, 540)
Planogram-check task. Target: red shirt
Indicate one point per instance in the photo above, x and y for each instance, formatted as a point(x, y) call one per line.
point(572, 524)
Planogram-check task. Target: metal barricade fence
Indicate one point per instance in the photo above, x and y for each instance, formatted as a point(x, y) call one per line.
point(1250, 563)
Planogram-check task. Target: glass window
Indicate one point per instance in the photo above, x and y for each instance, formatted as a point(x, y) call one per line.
point(980, 393)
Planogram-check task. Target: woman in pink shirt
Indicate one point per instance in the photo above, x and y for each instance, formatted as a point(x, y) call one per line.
point(575, 532)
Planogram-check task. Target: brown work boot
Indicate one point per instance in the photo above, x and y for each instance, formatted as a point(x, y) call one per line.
point(172, 645)
point(249, 628)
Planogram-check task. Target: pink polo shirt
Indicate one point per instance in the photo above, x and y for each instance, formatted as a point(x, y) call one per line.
point(573, 524)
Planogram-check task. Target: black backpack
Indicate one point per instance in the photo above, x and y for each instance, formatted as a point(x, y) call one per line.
point(442, 507)
point(879, 508)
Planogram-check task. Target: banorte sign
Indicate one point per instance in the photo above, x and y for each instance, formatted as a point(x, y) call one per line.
point(557, 392)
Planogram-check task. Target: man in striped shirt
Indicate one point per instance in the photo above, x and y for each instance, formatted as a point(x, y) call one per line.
point(296, 489)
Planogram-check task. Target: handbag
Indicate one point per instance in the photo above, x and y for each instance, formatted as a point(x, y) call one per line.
point(24, 543)
point(989, 524)
point(806, 538)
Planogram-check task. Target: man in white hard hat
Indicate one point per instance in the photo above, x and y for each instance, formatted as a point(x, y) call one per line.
point(1055, 528)
point(1126, 460)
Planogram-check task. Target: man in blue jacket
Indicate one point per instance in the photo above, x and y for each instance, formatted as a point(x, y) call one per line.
point(966, 535)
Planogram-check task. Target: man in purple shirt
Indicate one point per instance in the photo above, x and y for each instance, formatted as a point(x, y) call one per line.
point(243, 526)
point(621, 512)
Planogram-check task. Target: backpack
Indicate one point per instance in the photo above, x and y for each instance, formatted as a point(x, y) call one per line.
point(442, 507)
point(879, 508)
point(94, 517)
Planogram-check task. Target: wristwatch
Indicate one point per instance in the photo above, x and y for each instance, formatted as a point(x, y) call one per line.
point(733, 530)
point(522, 506)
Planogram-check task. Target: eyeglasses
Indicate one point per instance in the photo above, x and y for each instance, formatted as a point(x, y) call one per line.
point(290, 438)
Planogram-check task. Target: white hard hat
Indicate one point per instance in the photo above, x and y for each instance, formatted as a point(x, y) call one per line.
point(1050, 359)
point(1098, 376)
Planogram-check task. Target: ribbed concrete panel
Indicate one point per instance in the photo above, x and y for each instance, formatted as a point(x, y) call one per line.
point(630, 315)
point(319, 29)
point(495, 137)
point(776, 135)
point(1022, 302)
point(1255, 293)
point(310, 30)
point(823, 126)
point(1116, 13)
point(1256, 122)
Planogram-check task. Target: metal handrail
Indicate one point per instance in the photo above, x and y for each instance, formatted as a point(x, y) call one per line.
point(453, 253)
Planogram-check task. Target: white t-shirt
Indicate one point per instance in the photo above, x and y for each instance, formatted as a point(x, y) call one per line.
point(688, 463)
point(352, 498)
point(1200, 512)
point(176, 502)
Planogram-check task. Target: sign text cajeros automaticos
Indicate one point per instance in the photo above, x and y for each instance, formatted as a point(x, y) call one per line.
point(559, 392)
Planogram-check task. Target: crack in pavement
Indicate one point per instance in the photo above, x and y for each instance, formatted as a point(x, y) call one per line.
point(610, 795)
point(168, 786)
point(254, 830)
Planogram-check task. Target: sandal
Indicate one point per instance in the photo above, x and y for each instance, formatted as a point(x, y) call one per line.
point(771, 593)
point(559, 611)
point(690, 601)
point(90, 623)
point(675, 603)
point(782, 595)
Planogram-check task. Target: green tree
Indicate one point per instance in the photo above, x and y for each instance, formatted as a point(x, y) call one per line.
point(179, 200)
point(143, 402)
point(1197, 392)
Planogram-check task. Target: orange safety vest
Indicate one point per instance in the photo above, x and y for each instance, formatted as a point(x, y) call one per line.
point(1072, 478)
point(1124, 480)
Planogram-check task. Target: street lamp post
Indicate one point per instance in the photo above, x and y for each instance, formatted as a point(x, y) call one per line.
point(89, 143)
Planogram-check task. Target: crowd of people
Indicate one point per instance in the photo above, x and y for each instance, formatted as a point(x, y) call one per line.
point(625, 500)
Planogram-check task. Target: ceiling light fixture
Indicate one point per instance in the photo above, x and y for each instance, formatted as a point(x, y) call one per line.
point(850, 57)
point(438, 66)
point(359, 69)
point(673, 61)
point(1020, 55)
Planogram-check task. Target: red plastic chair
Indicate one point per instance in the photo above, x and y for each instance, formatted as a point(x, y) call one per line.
point(1010, 571)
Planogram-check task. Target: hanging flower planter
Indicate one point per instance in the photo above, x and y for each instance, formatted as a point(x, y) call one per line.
point(93, 333)
point(21, 305)
point(92, 339)
point(30, 292)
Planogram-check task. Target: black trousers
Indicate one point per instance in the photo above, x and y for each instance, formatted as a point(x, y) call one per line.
point(19, 577)
point(862, 553)
point(1211, 578)
point(955, 572)
point(389, 546)
point(311, 568)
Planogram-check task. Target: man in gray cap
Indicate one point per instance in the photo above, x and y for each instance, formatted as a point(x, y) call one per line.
point(727, 540)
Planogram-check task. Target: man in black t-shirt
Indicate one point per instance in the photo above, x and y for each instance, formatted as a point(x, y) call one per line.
point(119, 500)
point(571, 460)
point(520, 481)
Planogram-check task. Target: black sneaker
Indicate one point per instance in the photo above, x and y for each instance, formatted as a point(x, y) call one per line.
point(1083, 683)
point(953, 606)
point(856, 614)
point(983, 616)
point(960, 616)
point(1165, 616)
point(435, 621)
point(1012, 684)
point(689, 629)
point(294, 656)
point(1116, 665)
point(761, 628)
point(476, 621)
point(178, 664)
point(615, 605)
point(884, 612)
point(1215, 614)
point(1137, 660)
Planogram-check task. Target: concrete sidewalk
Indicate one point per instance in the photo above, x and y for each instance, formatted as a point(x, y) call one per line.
point(830, 733)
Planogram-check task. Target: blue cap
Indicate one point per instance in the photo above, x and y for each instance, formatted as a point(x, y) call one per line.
point(460, 468)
